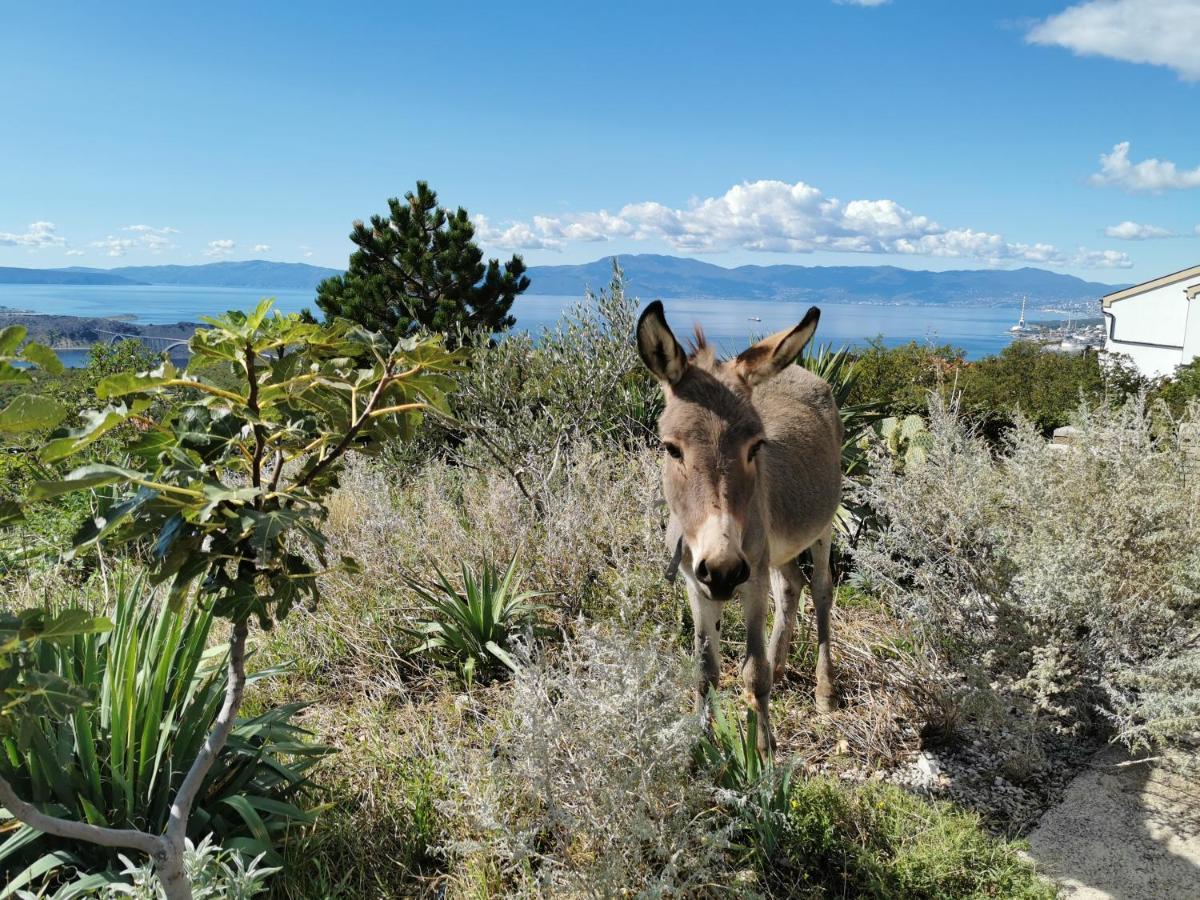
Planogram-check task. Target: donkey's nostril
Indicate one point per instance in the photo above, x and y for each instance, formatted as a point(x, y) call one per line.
point(722, 580)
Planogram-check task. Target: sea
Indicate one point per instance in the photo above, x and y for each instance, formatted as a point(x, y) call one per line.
point(731, 324)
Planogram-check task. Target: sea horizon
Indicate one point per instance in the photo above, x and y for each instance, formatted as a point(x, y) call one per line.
point(730, 323)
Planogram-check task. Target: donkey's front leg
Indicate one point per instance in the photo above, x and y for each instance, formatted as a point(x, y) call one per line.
point(706, 621)
point(756, 668)
point(822, 594)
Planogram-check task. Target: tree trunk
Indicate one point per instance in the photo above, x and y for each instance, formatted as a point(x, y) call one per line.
point(172, 875)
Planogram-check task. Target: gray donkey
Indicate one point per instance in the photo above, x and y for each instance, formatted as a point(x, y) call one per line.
point(752, 478)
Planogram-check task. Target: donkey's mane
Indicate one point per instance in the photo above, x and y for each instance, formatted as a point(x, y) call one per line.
point(702, 353)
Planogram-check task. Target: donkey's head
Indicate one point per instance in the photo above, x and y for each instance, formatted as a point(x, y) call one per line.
point(712, 435)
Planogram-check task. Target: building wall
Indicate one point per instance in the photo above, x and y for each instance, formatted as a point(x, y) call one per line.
point(1153, 328)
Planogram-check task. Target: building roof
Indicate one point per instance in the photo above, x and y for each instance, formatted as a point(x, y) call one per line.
point(1109, 299)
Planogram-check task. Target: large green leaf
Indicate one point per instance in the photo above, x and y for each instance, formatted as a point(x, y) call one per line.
point(31, 412)
point(42, 357)
point(96, 423)
point(10, 339)
point(83, 478)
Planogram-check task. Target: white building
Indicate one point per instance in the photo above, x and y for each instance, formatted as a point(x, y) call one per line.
point(1156, 323)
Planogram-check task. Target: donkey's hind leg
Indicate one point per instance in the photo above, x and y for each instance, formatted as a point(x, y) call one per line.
point(822, 594)
point(787, 583)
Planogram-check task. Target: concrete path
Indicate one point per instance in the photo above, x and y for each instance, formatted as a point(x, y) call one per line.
point(1125, 831)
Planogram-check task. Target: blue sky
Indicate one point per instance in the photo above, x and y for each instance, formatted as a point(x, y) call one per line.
point(924, 134)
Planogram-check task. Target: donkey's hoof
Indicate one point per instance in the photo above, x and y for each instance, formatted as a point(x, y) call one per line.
point(826, 703)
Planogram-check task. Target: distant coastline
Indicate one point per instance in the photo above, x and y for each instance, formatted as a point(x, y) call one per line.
point(653, 276)
point(78, 333)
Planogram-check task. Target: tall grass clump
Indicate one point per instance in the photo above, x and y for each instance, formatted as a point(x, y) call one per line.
point(1067, 575)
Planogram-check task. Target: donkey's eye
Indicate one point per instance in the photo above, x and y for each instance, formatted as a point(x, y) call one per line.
point(754, 448)
point(673, 450)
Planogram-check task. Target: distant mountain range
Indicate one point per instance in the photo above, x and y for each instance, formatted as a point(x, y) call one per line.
point(254, 273)
point(649, 276)
point(60, 276)
point(652, 275)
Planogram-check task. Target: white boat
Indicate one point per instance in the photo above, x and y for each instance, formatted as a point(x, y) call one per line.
point(755, 319)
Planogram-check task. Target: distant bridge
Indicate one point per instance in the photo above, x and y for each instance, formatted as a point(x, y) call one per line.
point(152, 342)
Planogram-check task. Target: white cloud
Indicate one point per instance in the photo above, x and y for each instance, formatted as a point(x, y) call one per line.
point(74, 252)
point(115, 246)
point(156, 240)
point(36, 235)
point(1132, 231)
point(261, 248)
point(1148, 175)
point(220, 248)
point(1158, 32)
point(145, 237)
point(775, 216)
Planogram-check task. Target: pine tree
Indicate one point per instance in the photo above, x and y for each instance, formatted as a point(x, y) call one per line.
point(420, 268)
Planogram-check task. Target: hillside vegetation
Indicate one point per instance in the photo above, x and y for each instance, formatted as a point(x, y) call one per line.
point(492, 699)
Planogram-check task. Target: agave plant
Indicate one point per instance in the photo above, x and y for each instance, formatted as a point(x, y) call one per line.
point(157, 688)
point(471, 627)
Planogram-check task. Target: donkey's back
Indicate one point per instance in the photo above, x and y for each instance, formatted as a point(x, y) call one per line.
point(802, 460)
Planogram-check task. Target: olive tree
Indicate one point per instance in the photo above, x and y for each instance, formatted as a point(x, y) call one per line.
point(224, 493)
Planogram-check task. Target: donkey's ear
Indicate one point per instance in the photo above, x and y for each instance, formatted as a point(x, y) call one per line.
point(772, 355)
point(657, 345)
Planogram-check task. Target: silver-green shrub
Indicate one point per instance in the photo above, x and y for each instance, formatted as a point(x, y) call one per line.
point(215, 874)
point(1068, 575)
point(588, 790)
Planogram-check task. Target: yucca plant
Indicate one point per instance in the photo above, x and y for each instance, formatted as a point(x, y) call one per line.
point(730, 751)
point(839, 369)
point(156, 690)
point(758, 791)
point(471, 627)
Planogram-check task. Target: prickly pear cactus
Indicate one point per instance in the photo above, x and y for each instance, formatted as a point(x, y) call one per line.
point(907, 440)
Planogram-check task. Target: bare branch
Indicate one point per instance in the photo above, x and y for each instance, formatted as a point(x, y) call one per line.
point(76, 831)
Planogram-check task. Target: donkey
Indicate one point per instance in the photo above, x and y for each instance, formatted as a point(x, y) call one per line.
point(752, 479)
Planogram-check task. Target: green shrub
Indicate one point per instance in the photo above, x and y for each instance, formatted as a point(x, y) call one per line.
point(879, 841)
point(157, 689)
point(900, 378)
point(1025, 381)
point(125, 355)
point(1181, 388)
point(524, 401)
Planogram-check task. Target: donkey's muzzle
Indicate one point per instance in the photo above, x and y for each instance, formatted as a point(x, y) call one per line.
point(722, 580)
